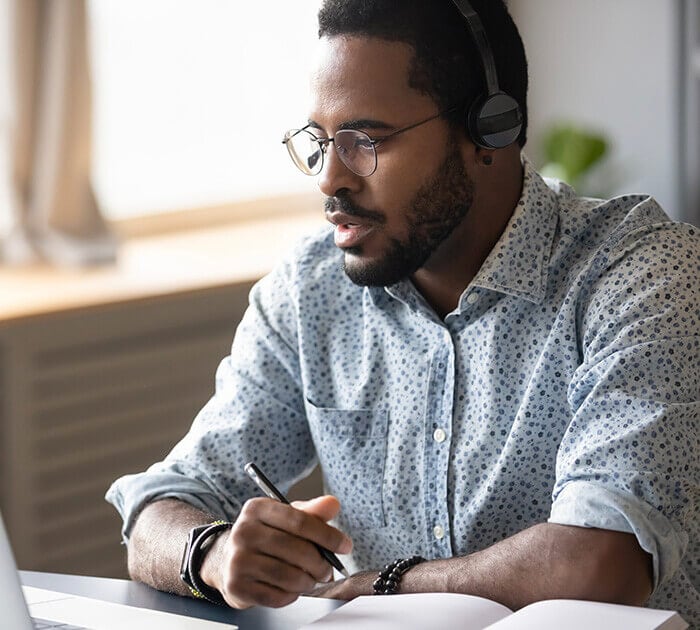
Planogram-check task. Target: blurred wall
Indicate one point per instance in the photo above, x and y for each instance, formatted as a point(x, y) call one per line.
point(613, 66)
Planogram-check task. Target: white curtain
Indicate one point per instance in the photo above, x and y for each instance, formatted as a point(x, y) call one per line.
point(55, 215)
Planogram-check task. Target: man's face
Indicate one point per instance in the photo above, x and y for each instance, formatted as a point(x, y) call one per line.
point(390, 223)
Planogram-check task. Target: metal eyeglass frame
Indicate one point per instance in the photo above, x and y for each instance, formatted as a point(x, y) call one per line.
point(374, 142)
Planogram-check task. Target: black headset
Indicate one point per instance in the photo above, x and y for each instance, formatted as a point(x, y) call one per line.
point(494, 120)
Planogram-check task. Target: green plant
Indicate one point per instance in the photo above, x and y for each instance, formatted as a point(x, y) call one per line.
point(571, 152)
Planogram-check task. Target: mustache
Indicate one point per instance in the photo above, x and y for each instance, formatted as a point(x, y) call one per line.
point(343, 204)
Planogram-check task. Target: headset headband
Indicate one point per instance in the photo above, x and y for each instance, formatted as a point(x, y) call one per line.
point(482, 43)
point(494, 120)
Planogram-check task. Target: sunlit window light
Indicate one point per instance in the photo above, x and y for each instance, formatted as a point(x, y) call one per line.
point(192, 97)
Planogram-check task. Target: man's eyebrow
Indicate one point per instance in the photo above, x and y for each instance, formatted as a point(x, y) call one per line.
point(360, 123)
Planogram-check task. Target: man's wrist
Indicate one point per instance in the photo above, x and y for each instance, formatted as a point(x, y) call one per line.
point(199, 542)
point(389, 579)
point(210, 571)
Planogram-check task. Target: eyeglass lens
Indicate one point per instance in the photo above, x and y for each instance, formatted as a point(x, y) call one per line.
point(354, 148)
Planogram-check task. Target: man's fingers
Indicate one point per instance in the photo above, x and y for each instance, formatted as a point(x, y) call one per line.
point(254, 593)
point(297, 522)
point(266, 595)
point(288, 578)
point(325, 507)
point(257, 579)
point(270, 541)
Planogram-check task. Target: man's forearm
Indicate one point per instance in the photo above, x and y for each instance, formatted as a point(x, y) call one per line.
point(158, 540)
point(546, 561)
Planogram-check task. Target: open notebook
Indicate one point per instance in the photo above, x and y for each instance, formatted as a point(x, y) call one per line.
point(449, 610)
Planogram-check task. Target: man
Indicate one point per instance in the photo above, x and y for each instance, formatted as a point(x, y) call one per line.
point(494, 374)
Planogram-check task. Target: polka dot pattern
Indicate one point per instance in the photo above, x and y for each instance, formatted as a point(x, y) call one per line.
point(564, 387)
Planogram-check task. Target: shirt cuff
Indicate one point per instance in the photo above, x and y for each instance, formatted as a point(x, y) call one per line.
point(585, 504)
point(131, 493)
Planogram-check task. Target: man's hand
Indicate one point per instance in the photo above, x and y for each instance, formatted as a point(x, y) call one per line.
point(268, 558)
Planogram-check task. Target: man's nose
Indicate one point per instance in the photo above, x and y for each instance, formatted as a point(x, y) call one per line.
point(335, 176)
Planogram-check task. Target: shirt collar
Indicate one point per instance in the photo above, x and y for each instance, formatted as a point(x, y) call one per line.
point(518, 263)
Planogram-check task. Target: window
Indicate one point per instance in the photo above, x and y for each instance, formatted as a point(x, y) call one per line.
point(192, 97)
point(690, 119)
point(5, 117)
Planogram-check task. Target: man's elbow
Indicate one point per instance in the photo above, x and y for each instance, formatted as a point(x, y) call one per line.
point(602, 565)
point(623, 571)
point(598, 565)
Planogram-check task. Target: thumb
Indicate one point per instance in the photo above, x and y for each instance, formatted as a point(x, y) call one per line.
point(325, 507)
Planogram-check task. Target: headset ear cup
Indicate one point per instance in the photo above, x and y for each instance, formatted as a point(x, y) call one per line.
point(473, 122)
point(494, 121)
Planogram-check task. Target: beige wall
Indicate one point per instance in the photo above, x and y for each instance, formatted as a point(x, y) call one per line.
point(614, 66)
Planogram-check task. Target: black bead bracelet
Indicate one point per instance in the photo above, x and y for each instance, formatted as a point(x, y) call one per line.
point(390, 576)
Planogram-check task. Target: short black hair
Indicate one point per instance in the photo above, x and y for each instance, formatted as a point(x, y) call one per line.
point(446, 64)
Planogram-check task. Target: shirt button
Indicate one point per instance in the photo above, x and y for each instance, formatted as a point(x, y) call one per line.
point(438, 532)
point(439, 435)
point(472, 298)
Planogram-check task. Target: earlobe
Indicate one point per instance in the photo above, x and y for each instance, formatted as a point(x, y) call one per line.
point(482, 156)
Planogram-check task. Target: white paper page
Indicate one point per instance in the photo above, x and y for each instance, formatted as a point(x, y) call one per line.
point(99, 615)
point(580, 615)
point(415, 610)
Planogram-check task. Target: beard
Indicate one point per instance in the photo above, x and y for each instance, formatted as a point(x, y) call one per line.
point(435, 211)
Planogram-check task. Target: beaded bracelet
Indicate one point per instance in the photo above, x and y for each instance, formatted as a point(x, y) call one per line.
point(390, 577)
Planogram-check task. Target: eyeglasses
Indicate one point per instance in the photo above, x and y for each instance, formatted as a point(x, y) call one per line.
point(356, 149)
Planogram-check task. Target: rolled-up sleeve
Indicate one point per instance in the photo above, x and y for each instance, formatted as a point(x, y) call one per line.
point(256, 413)
point(629, 459)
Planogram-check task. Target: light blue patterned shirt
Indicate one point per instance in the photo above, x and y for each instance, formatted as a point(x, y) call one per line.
point(563, 388)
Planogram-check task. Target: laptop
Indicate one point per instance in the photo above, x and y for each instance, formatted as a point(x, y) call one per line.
point(62, 611)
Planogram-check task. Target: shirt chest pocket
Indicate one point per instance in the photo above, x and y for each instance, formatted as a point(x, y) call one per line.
point(351, 448)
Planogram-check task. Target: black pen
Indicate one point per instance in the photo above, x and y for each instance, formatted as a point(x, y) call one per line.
point(269, 489)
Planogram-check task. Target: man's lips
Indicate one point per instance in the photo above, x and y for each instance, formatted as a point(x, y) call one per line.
point(350, 230)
